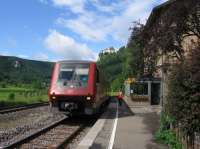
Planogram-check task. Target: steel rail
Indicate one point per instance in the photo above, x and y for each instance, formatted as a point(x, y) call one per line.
point(23, 107)
point(67, 140)
point(34, 135)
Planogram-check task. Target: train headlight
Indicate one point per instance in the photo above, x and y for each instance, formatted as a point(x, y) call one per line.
point(88, 98)
point(53, 97)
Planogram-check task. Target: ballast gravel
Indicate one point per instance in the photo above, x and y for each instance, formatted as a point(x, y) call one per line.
point(17, 125)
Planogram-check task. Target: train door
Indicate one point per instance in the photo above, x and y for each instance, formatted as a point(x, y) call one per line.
point(155, 93)
point(97, 85)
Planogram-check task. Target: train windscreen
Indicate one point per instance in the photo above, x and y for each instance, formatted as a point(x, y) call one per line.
point(73, 75)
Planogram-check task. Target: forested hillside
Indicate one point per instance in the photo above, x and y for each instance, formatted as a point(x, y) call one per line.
point(114, 67)
point(20, 72)
point(126, 62)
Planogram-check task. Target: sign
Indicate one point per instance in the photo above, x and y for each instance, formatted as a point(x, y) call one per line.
point(130, 80)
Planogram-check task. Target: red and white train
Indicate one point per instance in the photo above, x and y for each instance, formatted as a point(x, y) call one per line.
point(77, 86)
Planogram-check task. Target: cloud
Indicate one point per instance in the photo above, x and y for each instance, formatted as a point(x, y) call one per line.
point(76, 6)
point(87, 26)
point(67, 47)
point(111, 7)
point(4, 53)
point(135, 11)
point(114, 22)
point(41, 56)
point(43, 1)
point(23, 56)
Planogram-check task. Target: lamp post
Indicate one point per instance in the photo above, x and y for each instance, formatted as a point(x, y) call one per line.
point(162, 81)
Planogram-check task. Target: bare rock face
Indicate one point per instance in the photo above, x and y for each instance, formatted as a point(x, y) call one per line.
point(16, 64)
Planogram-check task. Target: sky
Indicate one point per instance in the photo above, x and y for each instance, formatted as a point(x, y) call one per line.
point(52, 30)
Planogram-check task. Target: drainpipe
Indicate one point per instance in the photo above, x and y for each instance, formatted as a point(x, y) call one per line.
point(149, 91)
point(162, 82)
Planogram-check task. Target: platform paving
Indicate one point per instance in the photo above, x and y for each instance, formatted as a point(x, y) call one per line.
point(137, 130)
point(136, 125)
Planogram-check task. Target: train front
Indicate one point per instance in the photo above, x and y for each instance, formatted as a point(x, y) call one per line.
point(72, 86)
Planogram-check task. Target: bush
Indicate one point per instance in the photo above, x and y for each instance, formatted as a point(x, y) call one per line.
point(3, 85)
point(183, 100)
point(40, 100)
point(166, 121)
point(117, 84)
point(168, 137)
point(165, 135)
point(11, 96)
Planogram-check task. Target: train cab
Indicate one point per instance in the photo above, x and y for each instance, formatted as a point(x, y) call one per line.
point(76, 86)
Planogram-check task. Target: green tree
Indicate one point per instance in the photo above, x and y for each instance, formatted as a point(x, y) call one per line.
point(126, 62)
point(135, 53)
point(113, 65)
point(183, 100)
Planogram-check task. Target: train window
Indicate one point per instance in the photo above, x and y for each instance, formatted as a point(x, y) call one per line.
point(73, 75)
point(66, 74)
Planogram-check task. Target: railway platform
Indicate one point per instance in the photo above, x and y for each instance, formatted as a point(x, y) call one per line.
point(130, 126)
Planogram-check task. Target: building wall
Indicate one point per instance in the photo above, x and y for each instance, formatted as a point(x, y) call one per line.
point(166, 61)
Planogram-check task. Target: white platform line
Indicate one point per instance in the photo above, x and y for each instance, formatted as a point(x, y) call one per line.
point(112, 138)
point(88, 140)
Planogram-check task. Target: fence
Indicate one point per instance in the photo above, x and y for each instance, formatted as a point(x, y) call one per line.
point(185, 140)
point(197, 141)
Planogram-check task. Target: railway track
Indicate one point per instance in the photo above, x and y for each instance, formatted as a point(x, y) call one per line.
point(56, 135)
point(18, 108)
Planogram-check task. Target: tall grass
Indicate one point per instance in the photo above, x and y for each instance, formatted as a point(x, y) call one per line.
point(18, 96)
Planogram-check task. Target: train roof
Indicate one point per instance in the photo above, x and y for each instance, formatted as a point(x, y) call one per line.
point(75, 61)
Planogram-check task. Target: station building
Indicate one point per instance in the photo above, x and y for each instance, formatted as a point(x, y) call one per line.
point(154, 89)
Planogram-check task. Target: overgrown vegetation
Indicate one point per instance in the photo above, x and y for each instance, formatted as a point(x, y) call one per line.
point(166, 135)
point(183, 100)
